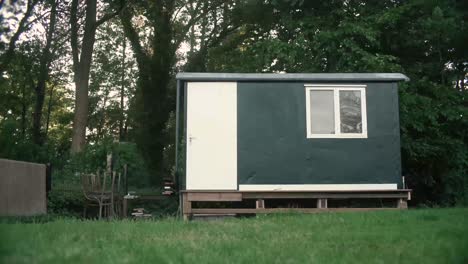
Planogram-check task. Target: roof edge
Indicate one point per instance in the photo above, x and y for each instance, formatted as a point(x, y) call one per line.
point(208, 76)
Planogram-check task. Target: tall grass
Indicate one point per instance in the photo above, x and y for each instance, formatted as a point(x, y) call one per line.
point(414, 236)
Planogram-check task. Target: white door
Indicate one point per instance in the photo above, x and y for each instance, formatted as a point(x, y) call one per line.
point(211, 136)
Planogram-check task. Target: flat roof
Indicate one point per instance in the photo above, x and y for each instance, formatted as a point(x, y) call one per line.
point(209, 76)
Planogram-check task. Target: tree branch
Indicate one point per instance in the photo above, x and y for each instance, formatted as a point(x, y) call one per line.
point(8, 55)
point(109, 16)
point(74, 35)
point(132, 35)
point(194, 20)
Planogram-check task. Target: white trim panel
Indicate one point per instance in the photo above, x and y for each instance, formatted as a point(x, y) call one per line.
point(211, 136)
point(317, 187)
point(336, 88)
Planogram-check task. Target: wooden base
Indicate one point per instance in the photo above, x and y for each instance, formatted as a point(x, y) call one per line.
point(322, 203)
point(401, 196)
point(214, 211)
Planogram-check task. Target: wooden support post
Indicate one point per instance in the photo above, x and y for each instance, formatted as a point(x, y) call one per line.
point(124, 207)
point(186, 207)
point(260, 204)
point(322, 203)
point(402, 203)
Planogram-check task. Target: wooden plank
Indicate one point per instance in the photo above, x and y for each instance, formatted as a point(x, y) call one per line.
point(124, 207)
point(214, 197)
point(186, 207)
point(260, 204)
point(402, 204)
point(280, 210)
point(313, 195)
point(322, 191)
point(322, 203)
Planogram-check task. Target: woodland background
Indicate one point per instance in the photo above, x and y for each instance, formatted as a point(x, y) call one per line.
point(82, 78)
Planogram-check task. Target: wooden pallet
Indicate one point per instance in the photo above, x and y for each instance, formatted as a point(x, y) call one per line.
point(188, 197)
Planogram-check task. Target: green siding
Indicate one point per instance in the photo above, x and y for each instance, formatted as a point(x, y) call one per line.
point(273, 148)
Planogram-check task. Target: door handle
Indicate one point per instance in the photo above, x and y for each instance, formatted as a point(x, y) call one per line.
point(191, 138)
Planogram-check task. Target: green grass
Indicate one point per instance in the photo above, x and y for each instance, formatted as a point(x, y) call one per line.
point(413, 236)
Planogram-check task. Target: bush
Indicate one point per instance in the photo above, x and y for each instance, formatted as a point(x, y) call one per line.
point(66, 197)
point(65, 202)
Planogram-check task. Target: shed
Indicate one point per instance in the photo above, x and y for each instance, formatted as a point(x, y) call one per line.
point(245, 132)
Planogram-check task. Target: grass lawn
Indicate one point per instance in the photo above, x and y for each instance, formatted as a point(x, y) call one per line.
point(413, 236)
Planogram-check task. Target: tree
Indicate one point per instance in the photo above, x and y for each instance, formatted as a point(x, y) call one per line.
point(44, 68)
point(155, 31)
point(112, 85)
point(82, 65)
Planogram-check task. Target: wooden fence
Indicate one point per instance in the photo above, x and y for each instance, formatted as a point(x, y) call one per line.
point(22, 188)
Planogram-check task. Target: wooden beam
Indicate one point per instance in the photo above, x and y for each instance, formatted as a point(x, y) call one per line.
point(322, 203)
point(323, 191)
point(304, 195)
point(260, 204)
point(280, 210)
point(402, 204)
point(214, 196)
point(124, 207)
point(186, 207)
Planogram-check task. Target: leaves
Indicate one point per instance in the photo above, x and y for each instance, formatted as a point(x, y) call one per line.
point(425, 39)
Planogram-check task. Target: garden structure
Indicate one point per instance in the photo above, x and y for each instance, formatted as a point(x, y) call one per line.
point(267, 137)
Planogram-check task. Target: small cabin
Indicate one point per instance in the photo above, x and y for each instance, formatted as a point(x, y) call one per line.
point(241, 135)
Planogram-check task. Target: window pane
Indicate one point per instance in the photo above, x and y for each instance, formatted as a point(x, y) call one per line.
point(322, 113)
point(350, 112)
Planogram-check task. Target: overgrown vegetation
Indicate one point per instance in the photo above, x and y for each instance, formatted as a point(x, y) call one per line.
point(415, 236)
point(120, 86)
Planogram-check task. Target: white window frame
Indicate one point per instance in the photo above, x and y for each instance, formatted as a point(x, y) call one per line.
point(336, 88)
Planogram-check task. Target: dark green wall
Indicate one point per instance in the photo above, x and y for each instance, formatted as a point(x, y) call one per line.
point(273, 147)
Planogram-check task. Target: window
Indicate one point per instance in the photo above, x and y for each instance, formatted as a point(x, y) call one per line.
point(336, 111)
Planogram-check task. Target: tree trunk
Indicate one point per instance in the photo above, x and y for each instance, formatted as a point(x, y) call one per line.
point(43, 77)
point(49, 110)
point(82, 66)
point(80, 118)
point(154, 76)
point(122, 93)
point(82, 69)
point(102, 123)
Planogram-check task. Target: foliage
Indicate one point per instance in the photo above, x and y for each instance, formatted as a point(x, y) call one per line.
point(428, 236)
point(66, 197)
point(16, 106)
point(139, 48)
point(434, 146)
point(113, 80)
point(94, 158)
point(65, 202)
point(420, 38)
